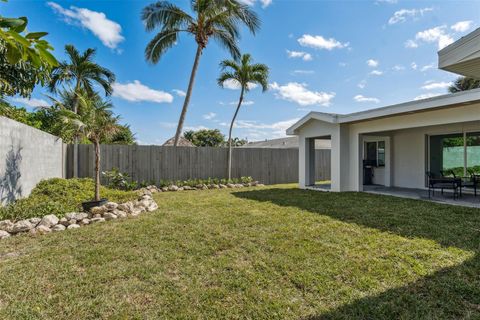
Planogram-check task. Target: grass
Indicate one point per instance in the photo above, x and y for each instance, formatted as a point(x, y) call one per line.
point(256, 253)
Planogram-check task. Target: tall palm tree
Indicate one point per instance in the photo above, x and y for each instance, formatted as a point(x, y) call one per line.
point(95, 122)
point(81, 72)
point(245, 73)
point(211, 19)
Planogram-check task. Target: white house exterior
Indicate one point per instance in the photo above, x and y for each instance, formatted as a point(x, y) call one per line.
point(400, 142)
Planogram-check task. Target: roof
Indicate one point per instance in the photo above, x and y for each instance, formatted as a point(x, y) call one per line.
point(285, 143)
point(439, 102)
point(182, 142)
point(462, 56)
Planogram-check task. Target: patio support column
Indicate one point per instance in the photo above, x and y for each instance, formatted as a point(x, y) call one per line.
point(306, 162)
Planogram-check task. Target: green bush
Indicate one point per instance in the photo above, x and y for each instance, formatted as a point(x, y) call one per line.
point(59, 196)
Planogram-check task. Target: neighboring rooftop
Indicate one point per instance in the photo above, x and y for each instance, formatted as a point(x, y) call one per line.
point(182, 142)
point(444, 101)
point(286, 143)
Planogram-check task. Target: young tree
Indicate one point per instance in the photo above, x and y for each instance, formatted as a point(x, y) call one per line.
point(94, 121)
point(211, 19)
point(82, 72)
point(205, 137)
point(244, 73)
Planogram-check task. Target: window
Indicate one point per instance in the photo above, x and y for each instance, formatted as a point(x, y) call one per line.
point(375, 153)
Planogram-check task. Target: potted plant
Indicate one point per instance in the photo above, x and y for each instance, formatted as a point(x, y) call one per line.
point(94, 122)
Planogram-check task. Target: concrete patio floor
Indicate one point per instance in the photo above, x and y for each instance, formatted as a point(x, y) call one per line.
point(467, 199)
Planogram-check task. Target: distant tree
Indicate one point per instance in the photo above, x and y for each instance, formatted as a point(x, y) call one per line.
point(123, 136)
point(19, 114)
point(244, 73)
point(205, 137)
point(95, 121)
point(237, 142)
point(25, 58)
point(464, 84)
point(212, 19)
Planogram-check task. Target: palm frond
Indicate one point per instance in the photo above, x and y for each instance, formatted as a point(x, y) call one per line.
point(164, 14)
point(228, 42)
point(160, 44)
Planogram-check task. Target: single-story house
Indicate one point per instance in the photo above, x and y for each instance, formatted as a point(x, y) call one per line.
point(395, 146)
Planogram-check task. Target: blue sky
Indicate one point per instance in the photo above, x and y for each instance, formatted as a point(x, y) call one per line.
point(328, 56)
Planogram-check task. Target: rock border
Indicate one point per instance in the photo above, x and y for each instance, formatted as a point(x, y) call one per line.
point(74, 220)
point(173, 188)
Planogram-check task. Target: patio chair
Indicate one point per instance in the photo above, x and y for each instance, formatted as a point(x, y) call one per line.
point(471, 182)
point(441, 183)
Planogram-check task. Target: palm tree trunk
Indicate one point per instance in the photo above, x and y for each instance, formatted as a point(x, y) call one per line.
point(97, 170)
point(230, 134)
point(188, 95)
point(75, 139)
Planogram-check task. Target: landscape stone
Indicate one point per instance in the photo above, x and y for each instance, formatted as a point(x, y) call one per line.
point(98, 210)
point(73, 226)
point(6, 225)
point(58, 227)
point(35, 220)
point(21, 226)
point(4, 234)
point(111, 206)
point(94, 220)
point(42, 229)
point(49, 220)
point(109, 216)
point(63, 221)
point(84, 222)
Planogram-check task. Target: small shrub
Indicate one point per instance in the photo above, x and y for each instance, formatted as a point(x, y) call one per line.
point(59, 196)
point(119, 180)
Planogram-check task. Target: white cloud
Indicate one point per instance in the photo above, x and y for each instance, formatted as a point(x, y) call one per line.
point(427, 67)
point(414, 66)
point(362, 84)
point(179, 92)
point(209, 116)
point(426, 96)
point(398, 67)
point(303, 72)
point(372, 63)
point(404, 14)
point(411, 44)
point(342, 64)
point(431, 85)
point(361, 98)
point(265, 3)
point(319, 42)
point(300, 54)
point(234, 85)
point(135, 92)
point(195, 128)
point(386, 1)
point(298, 93)
point(108, 31)
point(462, 26)
point(32, 102)
point(376, 73)
point(244, 103)
point(437, 34)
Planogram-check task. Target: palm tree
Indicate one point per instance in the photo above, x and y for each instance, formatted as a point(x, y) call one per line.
point(82, 72)
point(212, 19)
point(463, 84)
point(95, 122)
point(245, 73)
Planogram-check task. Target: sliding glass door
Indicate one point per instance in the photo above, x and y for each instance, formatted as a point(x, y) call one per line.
point(459, 153)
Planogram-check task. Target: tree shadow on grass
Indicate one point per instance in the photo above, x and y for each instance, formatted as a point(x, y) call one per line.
point(450, 293)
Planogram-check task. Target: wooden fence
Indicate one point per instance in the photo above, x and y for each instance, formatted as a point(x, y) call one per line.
point(155, 163)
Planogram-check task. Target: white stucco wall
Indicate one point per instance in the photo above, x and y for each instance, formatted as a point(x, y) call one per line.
point(406, 144)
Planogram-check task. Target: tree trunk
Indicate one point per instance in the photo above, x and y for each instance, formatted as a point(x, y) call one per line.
point(97, 171)
point(188, 95)
point(230, 135)
point(75, 138)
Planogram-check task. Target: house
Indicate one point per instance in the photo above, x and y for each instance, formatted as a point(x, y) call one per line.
point(284, 143)
point(395, 146)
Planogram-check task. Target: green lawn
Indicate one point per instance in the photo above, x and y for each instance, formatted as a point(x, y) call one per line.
point(255, 253)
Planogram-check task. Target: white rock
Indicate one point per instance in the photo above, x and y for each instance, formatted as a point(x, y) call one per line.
point(63, 221)
point(6, 225)
point(111, 206)
point(58, 227)
point(98, 210)
point(146, 197)
point(127, 207)
point(173, 188)
point(35, 221)
point(260, 185)
point(70, 222)
point(152, 207)
point(222, 186)
point(49, 220)
point(164, 189)
point(79, 216)
point(73, 226)
point(109, 216)
point(94, 220)
point(41, 229)
point(70, 215)
point(21, 226)
point(230, 185)
point(120, 213)
point(84, 222)
point(4, 234)
point(97, 216)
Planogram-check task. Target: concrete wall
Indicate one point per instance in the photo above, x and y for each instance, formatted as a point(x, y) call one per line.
point(28, 155)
